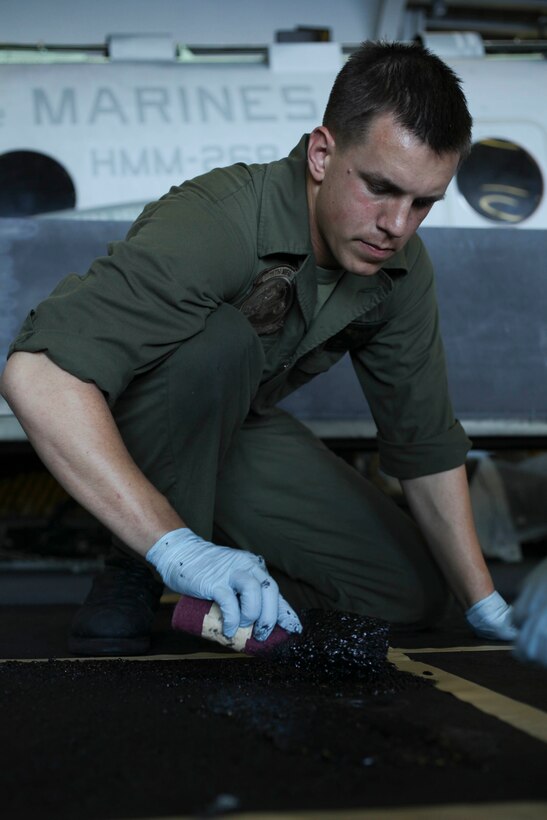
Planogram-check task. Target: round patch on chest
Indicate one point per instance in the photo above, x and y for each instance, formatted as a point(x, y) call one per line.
point(270, 300)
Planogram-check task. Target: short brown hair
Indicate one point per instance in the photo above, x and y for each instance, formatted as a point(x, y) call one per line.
point(408, 81)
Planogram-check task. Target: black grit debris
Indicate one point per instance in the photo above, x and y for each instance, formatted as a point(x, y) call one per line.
point(325, 725)
point(335, 645)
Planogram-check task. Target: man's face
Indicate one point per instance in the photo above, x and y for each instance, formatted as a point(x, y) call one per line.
point(366, 201)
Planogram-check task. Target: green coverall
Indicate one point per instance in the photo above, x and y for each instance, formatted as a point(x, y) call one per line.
point(201, 320)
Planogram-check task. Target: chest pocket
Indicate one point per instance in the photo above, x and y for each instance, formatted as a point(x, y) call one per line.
point(355, 335)
point(270, 299)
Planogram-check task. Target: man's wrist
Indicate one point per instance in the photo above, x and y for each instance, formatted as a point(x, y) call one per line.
point(165, 541)
point(491, 618)
point(162, 554)
point(478, 593)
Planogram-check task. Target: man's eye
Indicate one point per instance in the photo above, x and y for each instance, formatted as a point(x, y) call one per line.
point(422, 203)
point(375, 189)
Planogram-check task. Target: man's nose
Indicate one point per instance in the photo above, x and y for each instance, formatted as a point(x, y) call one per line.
point(394, 217)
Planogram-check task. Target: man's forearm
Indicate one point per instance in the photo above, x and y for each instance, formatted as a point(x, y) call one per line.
point(441, 506)
point(69, 424)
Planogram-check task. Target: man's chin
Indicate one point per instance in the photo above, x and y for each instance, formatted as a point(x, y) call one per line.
point(355, 263)
point(361, 268)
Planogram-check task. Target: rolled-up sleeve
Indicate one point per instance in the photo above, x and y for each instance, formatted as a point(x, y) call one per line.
point(155, 289)
point(402, 371)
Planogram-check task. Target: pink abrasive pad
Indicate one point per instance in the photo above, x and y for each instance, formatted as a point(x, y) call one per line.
point(204, 619)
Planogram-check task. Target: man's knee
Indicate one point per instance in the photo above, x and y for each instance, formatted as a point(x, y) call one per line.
point(412, 596)
point(219, 367)
point(225, 355)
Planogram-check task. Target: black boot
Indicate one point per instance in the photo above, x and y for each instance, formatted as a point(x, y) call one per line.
point(116, 617)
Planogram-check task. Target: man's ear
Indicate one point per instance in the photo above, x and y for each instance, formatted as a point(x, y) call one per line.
point(320, 148)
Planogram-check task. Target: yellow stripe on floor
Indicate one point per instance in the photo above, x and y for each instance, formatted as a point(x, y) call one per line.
point(425, 650)
point(519, 715)
point(200, 656)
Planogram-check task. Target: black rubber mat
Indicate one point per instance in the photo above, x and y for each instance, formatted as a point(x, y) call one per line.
point(120, 739)
point(106, 739)
point(497, 671)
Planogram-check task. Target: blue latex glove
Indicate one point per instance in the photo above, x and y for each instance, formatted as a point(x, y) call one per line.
point(530, 615)
point(492, 618)
point(237, 580)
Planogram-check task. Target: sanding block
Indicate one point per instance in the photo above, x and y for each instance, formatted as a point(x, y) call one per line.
point(204, 619)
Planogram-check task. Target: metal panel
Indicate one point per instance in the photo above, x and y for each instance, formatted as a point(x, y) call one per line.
point(492, 290)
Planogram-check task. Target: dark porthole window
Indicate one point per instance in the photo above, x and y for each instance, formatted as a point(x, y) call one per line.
point(33, 183)
point(501, 181)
